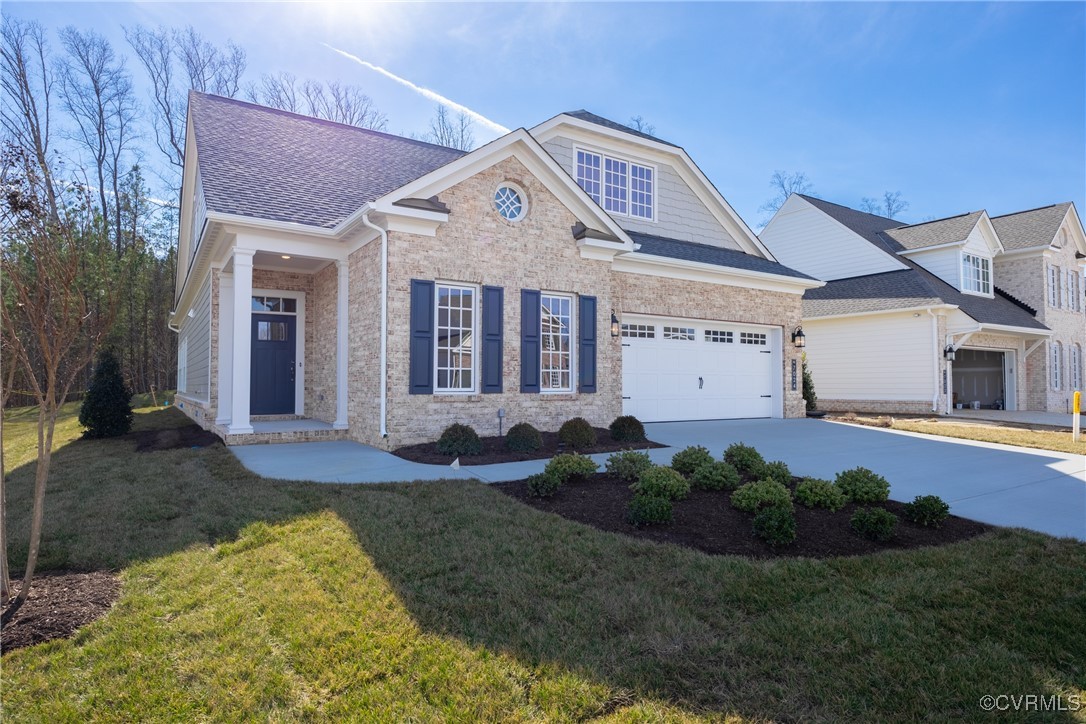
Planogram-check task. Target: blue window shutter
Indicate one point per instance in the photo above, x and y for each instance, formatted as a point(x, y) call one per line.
point(422, 338)
point(529, 340)
point(586, 353)
point(492, 339)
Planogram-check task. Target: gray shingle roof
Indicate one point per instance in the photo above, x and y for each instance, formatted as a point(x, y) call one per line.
point(901, 289)
point(933, 233)
point(608, 123)
point(271, 164)
point(705, 254)
point(1025, 229)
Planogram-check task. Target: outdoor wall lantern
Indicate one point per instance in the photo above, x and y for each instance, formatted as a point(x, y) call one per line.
point(614, 324)
point(799, 339)
point(949, 353)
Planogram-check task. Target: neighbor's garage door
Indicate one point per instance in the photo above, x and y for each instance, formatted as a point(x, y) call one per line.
point(681, 370)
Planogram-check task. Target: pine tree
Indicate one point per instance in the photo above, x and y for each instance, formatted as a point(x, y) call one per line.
point(809, 395)
point(107, 409)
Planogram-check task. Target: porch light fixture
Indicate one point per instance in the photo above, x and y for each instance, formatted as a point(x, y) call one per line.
point(614, 324)
point(799, 339)
point(285, 256)
point(949, 353)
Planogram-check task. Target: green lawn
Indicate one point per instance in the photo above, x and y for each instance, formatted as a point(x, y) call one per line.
point(246, 599)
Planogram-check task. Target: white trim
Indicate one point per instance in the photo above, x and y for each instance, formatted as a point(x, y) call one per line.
point(629, 161)
point(521, 194)
point(819, 318)
point(225, 348)
point(1010, 379)
point(299, 339)
point(342, 357)
point(241, 368)
point(476, 307)
point(962, 255)
point(636, 263)
point(573, 343)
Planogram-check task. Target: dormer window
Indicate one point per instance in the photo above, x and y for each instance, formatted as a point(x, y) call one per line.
point(976, 274)
point(621, 187)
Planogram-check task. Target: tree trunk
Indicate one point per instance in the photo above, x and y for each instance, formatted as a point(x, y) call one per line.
point(5, 577)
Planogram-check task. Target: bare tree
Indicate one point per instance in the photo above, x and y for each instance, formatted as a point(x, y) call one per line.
point(889, 206)
point(455, 132)
point(331, 101)
point(27, 79)
point(97, 93)
point(210, 69)
point(58, 282)
point(638, 123)
point(784, 184)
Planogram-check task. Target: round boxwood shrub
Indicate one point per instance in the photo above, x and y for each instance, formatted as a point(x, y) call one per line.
point(715, 475)
point(815, 493)
point(744, 458)
point(544, 485)
point(522, 437)
point(689, 459)
point(776, 470)
point(752, 497)
point(627, 428)
point(860, 485)
point(459, 440)
point(571, 466)
point(775, 525)
point(661, 482)
point(577, 433)
point(649, 510)
point(927, 510)
point(107, 409)
point(874, 523)
point(628, 465)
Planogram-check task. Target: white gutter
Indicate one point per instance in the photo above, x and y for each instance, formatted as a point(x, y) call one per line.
point(935, 359)
point(384, 317)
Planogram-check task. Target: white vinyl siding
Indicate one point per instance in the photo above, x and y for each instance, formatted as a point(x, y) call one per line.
point(943, 263)
point(881, 357)
point(196, 337)
point(802, 237)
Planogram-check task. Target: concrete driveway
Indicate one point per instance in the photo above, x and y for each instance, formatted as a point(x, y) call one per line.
point(1000, 484)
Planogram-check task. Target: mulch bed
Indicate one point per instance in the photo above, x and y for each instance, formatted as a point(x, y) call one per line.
point(494, 450)
point(705, 521)
point(59, 604)
point(188, 436)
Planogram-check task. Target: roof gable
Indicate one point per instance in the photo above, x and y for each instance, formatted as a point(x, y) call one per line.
point(1038, 228)
point(931, 234)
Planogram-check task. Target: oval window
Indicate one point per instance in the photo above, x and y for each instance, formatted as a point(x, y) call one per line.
point(509, 203)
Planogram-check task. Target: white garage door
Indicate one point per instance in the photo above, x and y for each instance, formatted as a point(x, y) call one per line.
point(683, 370)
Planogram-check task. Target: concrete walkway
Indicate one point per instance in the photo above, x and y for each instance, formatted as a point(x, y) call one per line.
point(999, 484)
point(1026, 417)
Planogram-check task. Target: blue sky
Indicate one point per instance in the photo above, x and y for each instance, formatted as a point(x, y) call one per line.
point(959, 106)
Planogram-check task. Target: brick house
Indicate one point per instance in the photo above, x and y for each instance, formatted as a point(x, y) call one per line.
point(916, 318)
point(341, 283)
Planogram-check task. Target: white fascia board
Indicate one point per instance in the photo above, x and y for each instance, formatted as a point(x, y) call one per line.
point(874, 312)
point(987, 230)
point(937, 247)
point(1010, 329)
point(271, 225)
point(1024, 252)
point(1077, 232)
point(526, 149)
point(687, 169)
point(636, 263)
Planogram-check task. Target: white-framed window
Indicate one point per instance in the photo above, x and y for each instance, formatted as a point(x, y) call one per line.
point(183, 365)
point(683, 334)
point(509, 202)
point(976, 274)
point(1056, 364)
point(454, 346)
point(752, 338)
point(639, 331)
point(621, 186)
point(275, 305)
point(1053, 285)
point(556, 342)
point(717, 335)
point(1076, 367)
point(1075, 282)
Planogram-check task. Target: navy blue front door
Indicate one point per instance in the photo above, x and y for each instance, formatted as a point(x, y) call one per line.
point(271, 386)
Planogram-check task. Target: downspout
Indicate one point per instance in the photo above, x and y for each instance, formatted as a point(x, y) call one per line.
point(935, 359)
point(384, 319)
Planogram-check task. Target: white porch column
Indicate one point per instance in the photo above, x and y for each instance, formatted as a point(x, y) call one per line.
point(241, 364)
point(225, 348)
point(341, 346)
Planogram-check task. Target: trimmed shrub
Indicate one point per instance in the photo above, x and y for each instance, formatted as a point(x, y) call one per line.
point(627, 428)
point(810, 399)
point(649, 510)
point(544, 485)
point(661, 482)
point(522, 437)
point(459, 440)
point(107, 409)
point(744, 458)
point(775, 525)
point(570, 466)
point(577, 433)
point(752, 497)
point(715, 475)
point(687, 460)
point(815, 493)
point(860, 485)
point(874, 523)
point(777, 471)
point(628, 465)
point(927, 510)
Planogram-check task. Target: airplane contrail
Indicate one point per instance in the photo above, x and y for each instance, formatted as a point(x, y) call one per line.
point(425, 92)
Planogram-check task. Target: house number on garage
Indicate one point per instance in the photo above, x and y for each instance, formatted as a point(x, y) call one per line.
point(793, 375)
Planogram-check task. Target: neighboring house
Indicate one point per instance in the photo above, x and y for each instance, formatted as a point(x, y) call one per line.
point(337, 282)
point(900, 297)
